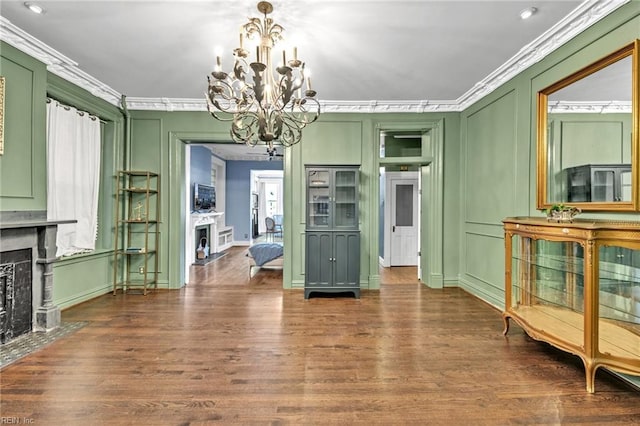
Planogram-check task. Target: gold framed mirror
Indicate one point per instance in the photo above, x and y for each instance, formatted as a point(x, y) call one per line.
point(588, 135)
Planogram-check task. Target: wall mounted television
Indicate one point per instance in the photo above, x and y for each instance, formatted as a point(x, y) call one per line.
point(204, 197)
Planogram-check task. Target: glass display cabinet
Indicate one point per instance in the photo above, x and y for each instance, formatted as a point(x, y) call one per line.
point(577, 286)
point(332, 195)
point(599, 182)
point(332, 237)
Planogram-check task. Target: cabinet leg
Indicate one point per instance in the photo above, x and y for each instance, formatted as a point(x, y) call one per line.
point(505, 319)
point(590, 370)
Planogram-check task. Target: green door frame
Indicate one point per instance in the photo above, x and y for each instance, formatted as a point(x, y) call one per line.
point(431, 175)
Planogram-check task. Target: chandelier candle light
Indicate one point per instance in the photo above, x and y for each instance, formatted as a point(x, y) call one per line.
point(272, 109)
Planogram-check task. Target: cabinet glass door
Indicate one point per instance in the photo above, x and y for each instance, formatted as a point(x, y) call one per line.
point(603, 185)
point(319, 198)
point(346, 188)
point(619, 299)
point(578, 184)
point(625, 185)
point(548, 283)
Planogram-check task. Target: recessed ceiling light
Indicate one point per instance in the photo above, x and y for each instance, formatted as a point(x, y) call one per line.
point(35, 8)
point(528, 12)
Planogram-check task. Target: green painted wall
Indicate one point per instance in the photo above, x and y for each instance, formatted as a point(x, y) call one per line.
point(23, 185)
point(498, 152)
point(158, 144)
point(22, 175)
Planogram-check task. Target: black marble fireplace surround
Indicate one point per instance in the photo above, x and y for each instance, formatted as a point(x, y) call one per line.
point(15, 293)
point(27, 241)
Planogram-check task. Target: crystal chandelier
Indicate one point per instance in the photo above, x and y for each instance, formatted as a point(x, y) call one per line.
point(267, 108)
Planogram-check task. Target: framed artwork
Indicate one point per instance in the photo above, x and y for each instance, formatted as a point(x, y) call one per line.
point(1, 115)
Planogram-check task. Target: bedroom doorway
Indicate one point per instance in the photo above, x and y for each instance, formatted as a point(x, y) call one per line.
point(239, 174)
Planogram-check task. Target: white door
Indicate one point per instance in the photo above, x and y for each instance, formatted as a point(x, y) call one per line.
point(404, 222)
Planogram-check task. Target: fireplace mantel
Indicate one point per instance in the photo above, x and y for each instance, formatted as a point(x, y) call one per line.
point(220, 236)
point(200, 219)
point(31, 230)
point(34, 224)
point(210, 219)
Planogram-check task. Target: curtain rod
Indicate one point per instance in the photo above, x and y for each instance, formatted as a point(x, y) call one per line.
point(80, 113)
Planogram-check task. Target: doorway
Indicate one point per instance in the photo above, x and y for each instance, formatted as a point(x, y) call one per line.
point(413, 148)
point(267, 195)
point(401, 219)
point(403, 223)
point(229, 167)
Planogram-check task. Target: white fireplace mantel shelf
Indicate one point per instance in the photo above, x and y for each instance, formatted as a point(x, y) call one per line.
point(200, 219)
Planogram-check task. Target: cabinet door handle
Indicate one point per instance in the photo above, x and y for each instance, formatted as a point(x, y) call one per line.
point(393, 228)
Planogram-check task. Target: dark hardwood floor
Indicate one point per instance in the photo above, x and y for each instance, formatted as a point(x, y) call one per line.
point(229, 350)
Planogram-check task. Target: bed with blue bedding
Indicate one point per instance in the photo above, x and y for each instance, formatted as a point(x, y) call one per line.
point(265, 255)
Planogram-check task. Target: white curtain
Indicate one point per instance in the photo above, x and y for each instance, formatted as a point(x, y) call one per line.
point(73, 176)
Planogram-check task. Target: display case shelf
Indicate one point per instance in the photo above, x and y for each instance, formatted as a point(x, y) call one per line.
point(577, 286)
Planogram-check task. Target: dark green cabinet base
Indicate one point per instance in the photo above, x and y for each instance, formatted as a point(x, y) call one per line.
point(332, 262)
point(334, 290)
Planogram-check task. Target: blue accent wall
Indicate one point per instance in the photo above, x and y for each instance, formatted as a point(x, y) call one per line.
point(238, 190)
point(200, 167)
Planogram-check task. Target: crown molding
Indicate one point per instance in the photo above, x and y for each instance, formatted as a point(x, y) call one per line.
point(585, 15)
point(389, 106)
point(598, 107)
point(56, 62)
point(581, 18)
point(173, 104)
point(166, 104)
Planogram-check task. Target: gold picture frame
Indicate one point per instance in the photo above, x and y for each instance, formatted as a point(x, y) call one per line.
point(1, 115)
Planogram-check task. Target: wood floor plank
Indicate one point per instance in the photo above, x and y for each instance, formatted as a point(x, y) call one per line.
point(229, 349)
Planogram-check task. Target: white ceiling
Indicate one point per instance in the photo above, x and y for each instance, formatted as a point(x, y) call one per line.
point(385, 55)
